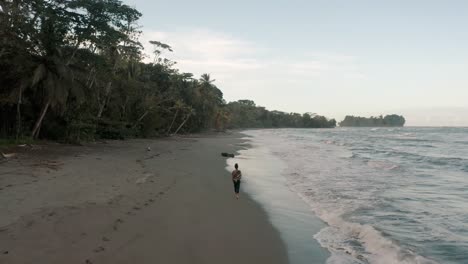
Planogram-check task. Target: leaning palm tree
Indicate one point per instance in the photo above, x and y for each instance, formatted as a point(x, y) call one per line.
point(178, 106)
point(189, 111)
point(54, 78)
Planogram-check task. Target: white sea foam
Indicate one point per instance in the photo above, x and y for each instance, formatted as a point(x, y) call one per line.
point(377, 248)
point(322, 173)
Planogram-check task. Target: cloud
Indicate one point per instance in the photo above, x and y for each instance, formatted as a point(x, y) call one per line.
point(244, 69)
point(205, 50)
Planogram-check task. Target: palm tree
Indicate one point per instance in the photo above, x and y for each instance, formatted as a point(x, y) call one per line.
point(178, 106)
point(206, 79)
point(54, 78)
point(189, 111)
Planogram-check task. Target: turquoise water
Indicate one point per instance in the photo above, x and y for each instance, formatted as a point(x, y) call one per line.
point(386, 195)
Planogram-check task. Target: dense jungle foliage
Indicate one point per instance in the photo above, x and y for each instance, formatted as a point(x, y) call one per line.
point(73, 70)
point(387, 121)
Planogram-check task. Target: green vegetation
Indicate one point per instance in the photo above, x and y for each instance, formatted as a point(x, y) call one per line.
point(73, 70)
point(245, 114)
point(387, 121)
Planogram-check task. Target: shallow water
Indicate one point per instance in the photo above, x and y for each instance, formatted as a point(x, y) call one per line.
point(287, 212)
point(387, 195)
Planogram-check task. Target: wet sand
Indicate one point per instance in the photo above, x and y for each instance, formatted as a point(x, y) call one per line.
point(120, 203)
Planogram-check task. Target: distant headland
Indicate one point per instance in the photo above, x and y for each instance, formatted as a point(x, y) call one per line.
point(380, 121)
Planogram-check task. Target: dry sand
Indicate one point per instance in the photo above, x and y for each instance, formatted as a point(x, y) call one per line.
point(119, 203)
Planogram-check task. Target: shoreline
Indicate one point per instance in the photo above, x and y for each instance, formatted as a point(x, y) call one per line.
point(119, 203)
point(288, 212)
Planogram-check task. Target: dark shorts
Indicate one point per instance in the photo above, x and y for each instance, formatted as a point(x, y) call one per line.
point(236, 186)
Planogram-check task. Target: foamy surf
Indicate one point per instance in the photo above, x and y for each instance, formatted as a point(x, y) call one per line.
point(362, 242)
point(383, 200)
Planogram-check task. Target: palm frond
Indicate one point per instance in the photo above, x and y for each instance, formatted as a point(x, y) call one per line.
point(39, 75)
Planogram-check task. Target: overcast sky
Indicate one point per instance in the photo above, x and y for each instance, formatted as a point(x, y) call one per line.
point(329, 57)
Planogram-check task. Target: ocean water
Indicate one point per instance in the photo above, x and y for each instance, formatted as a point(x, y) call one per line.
point(382, 195)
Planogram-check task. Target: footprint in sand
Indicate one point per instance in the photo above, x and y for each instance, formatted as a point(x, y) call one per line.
point(29, 223)
point(117, 222)
point(99, 249)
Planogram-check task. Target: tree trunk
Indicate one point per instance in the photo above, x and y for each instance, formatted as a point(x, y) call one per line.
point(18, 112)
point(37, 126)
point(91, 78)
point(73, 54)
point(172, 123)
point(181, 125)
point(141, 118)
point(124, 108)
point(104, 101)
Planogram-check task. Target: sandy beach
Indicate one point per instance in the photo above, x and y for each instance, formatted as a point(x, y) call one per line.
point(117, 202)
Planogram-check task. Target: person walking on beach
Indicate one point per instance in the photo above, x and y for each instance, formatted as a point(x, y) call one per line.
point(236, 179)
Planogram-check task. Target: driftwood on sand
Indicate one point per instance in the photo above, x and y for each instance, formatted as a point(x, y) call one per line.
point(229, 155)
point(8, 155)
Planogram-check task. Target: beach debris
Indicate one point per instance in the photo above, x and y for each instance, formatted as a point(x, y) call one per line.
point(229, 155)
point(5, 252)
point(148, 149)
point(105, 239)
point(8, 155)
point(142, 179)
point(88, 261)
point(26, 145)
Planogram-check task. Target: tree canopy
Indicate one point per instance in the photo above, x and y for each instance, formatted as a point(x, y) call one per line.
point(245, 114)
point(74, 70)
point(387, 121)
